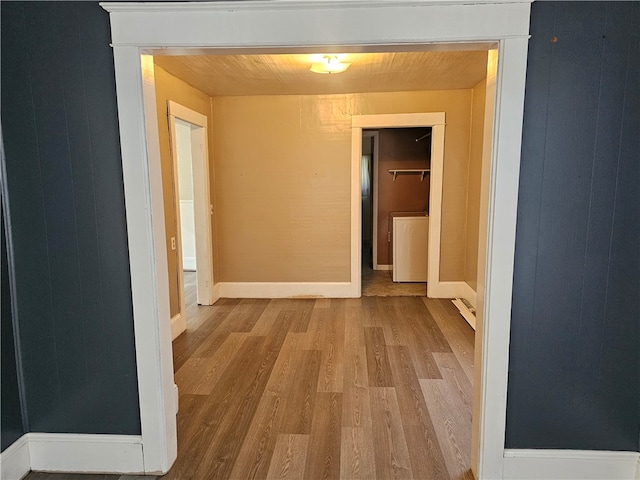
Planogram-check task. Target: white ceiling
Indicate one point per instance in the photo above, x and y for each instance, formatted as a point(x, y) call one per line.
point(288, 74)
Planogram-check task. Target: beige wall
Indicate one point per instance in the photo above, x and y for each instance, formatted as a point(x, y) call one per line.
point(169, 87)
point(283, 188)
point(473, 187)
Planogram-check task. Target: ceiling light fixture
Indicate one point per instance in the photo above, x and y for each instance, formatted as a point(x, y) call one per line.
point(329, 64)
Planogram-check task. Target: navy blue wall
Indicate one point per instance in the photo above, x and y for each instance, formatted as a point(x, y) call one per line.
point(574, 363)
point(68, 218)
point(11, 422)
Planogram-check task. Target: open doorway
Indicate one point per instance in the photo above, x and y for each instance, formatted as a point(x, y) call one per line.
point(395, 170)
point(136, 29)
point(193, 243)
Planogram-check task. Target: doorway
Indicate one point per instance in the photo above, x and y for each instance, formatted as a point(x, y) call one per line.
point(192, 199)
point(136, 29)
point(395, 188)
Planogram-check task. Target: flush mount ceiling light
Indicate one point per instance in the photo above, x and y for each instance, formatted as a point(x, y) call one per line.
point(329, 64)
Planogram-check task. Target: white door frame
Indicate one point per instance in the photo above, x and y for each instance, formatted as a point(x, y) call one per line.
point(298, 25)
point(375, 136)
point(435, 120)
point(203, 208)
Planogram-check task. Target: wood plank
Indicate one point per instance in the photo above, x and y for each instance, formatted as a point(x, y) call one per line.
point(284, 370)
point(354, 333)
point(331, 375)
point(233, 405)
point(357, 455)
point(422, 331)
point(451, 419)
point(377, 361)
point(315, 331)
point(300, 393)
point(254, 457)
point(391, 453)
point(199, 375)
point(268, 316)
point(427, 460)
point(356, 409)
point(453, 328)
point(455, 376)
point(289, 457)
point(302, 315)
point(326, 432)
point(372, 316)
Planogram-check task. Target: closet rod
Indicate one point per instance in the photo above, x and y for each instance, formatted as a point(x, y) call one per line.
point(423, 137)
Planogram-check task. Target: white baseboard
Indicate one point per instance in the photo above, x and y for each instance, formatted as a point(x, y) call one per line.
point(189, 264)
point(569, 465)
point(178, 325)
point(72, 453)
point(386, 268)
point(66, 452)
point(452, 290)
point(286, 290)
point(14, 461)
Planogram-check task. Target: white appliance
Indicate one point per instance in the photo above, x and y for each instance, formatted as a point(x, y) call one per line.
point(410, 239)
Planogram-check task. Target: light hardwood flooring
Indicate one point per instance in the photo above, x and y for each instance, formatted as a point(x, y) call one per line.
point(369, 388)
point(376, 387)
point(379, 283)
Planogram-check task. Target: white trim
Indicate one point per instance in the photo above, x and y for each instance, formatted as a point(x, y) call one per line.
point(454, 290)
point(173, 145)
point(147, 256)
point(637, 477)
point(188, 264)
point(569, 465)
point(70, 452)
point(178, 325)
point(281, 4)
point(435, 120)
point(233, 24)
point(186, 114)
point(386, 268)
point(285, 290)
point(492, 340)
point(14, 461)
point(278, 25)
point(375, 138)
point(202, 205)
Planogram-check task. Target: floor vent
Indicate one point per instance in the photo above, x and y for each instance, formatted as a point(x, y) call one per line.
point(467, 310)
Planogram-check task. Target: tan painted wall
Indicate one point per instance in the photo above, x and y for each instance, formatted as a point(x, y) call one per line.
point(283, 188)
point(169, 87)
point(474, 183)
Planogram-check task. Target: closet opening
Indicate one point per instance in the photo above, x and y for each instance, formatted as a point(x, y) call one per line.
point(395, 175)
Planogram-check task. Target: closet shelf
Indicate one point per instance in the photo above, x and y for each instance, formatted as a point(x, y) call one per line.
point(410, 171)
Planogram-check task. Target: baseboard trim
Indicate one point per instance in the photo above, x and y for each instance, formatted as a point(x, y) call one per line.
point(14, 461)
point(286, 290)
point(386, 268)
point(452, 290)
point(189, 264)
point(569, 465)
point(68, 452)
point(178, 325)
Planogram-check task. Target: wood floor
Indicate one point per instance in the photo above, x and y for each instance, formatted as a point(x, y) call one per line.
point(377, 387)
